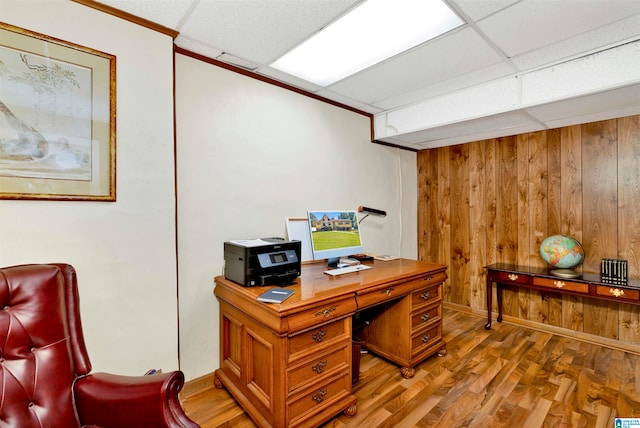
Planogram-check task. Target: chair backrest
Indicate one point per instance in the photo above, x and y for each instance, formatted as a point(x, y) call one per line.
point(42, 349)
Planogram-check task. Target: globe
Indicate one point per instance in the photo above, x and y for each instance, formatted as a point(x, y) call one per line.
point(564, 253)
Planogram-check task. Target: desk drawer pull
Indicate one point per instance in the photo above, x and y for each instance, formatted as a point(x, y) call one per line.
point(425, 296)
point(319, 396)
point(319, 368)
point(426, 338)
point(428, 278)
point(513, 276)
point(616, 292)
point(319, 335)
point(388, 291)
point(425, 317)
point(559, 284)
point(325, 312)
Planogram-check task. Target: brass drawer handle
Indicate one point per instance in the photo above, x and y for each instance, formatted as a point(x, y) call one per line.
point(559, 284)
point(388, 291)
point(425, 317)
point(325, 312)
point(319, 368)
point(425, 296)
point(319, 396)
point(426, 338)
point(513, 276)
point(616, 292)
point(319, 335)
point(428, 278)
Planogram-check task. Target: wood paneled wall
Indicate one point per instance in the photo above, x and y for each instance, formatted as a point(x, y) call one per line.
point(495, 201)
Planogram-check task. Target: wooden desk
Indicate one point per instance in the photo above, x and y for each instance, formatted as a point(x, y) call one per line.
point(587, 285)
point(289, 364)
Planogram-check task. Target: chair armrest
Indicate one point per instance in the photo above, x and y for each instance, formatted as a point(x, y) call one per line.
point(114, 401)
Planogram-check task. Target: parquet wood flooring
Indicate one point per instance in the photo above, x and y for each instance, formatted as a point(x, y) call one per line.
point(509, 376)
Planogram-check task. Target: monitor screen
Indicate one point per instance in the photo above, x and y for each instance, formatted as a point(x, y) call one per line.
point(334, 234)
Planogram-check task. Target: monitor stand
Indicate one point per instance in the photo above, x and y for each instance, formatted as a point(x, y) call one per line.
point(340, 262)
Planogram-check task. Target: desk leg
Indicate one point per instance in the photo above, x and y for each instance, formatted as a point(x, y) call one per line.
point(489, 302)
point(216, 381)
point(351, 410)
point(407, 372)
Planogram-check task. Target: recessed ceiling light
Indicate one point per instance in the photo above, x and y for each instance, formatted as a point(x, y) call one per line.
point(370, 33)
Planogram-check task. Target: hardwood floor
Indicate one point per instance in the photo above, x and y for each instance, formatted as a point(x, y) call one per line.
point(509, 376)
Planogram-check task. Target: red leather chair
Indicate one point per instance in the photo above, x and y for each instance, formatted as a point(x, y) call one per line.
point(44, 365)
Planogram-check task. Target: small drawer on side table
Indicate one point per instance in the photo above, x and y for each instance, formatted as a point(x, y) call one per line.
point(562, 284)
point(507, 277)
point(618, 293)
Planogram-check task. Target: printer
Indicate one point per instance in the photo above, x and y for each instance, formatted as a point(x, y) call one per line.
point(264, 261)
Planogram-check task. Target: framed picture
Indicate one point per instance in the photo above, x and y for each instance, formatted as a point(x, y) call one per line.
point(298, 229)
point(57, 119)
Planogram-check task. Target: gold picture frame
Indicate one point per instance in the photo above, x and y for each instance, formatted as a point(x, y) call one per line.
point(57, 119)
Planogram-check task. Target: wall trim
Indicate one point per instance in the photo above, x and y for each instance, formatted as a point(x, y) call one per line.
point(546, 328)
point(197, 385)
point(128, 17)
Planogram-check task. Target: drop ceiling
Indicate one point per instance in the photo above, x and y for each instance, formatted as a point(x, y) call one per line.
point(515, 65)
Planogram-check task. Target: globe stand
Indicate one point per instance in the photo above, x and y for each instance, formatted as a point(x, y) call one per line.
point(565, 273)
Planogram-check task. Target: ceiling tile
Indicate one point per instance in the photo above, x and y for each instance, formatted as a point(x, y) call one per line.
point(477, 10)
point(456, 54)
point(532, 24)
point(606, 35)
point(455, 83)
point(261, 31)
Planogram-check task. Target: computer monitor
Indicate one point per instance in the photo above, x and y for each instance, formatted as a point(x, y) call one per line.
point(334, 234)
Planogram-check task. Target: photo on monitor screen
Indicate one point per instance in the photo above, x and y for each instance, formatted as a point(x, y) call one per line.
point(334, 234)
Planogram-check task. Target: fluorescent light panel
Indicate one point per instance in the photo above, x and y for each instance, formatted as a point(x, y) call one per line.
point(372, 32)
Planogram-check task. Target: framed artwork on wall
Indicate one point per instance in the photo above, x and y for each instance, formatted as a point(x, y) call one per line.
point(57, 119)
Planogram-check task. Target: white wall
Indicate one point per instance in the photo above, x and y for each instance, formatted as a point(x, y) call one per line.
point(250, 154)
point(124, 251)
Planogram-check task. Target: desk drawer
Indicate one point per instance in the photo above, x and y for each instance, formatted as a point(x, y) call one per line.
point(315, 341)
point(618, 293)
point(426, 338)
point(318, 368)
point(383, 294)
point(507, 277)
point(426, 296)
point(429, 279)
point(318, 398)
point(322, 314)
point(426, 316)
point(562, 284)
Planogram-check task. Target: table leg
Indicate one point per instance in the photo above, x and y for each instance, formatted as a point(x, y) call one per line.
point(499, 293)
point(489, 303)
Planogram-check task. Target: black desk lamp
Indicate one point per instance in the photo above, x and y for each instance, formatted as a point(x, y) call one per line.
point(371, 211)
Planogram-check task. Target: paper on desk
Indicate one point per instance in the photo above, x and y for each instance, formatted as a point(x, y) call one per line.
point(384, 257)
point(251, 242)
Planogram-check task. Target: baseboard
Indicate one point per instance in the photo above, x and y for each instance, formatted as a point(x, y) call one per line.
point(197, 385)
point(546, 328)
